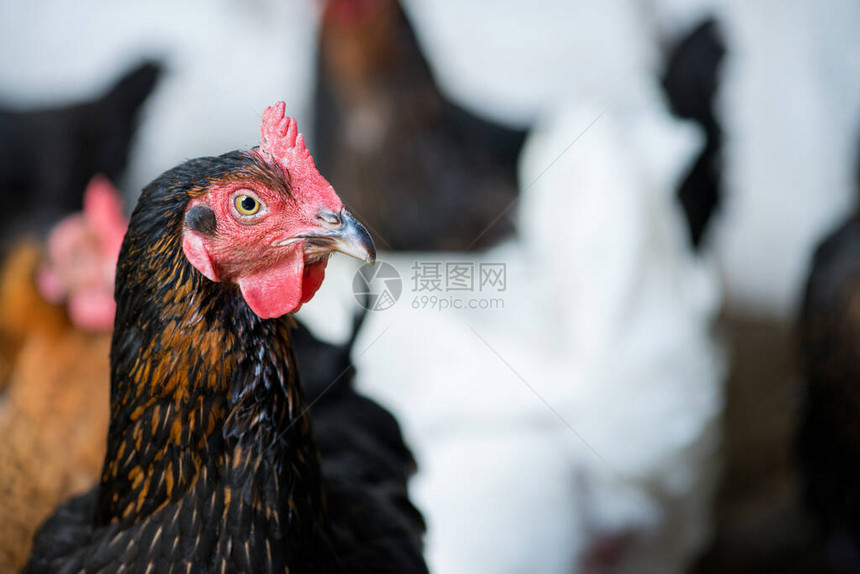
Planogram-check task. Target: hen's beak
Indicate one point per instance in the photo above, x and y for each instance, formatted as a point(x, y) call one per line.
point(350, 238)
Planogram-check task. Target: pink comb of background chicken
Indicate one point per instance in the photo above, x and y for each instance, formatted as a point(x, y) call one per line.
point(81, 261)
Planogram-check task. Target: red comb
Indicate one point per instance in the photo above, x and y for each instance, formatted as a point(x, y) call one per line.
point(282, 143)
point(281, 137)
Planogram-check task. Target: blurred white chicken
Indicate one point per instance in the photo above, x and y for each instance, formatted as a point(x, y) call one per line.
point(576, 428)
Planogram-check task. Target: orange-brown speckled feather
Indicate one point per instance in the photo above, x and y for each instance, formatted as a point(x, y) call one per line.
point(54, 415)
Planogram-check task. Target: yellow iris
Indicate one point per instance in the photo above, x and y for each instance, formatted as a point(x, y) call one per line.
point(247, 205)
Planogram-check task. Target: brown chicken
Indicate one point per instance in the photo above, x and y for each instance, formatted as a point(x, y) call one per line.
point(55, 369)
point(421, 171)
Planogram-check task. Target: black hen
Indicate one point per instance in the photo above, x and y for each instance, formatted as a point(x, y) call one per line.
point(214, 462)
point(829, 438)
point(360, 442)
point(48, 156)
point(422, 172)
point(690, 82)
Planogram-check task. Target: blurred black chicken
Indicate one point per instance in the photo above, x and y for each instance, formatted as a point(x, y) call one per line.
point(358, 439)
point(47, 156)
point(829, 436)
point(217, 459)
point(691, 80)
point(422, 172)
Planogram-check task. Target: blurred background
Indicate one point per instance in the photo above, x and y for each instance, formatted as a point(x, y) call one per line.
point(663, 380)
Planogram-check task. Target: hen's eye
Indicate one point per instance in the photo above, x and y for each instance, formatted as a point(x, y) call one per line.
point(247, 205)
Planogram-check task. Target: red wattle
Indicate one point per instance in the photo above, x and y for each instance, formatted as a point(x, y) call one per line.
point(283, 287)
point(314, 275)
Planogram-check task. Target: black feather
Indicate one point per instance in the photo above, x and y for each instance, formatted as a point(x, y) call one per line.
point(48, 156)
point(691, 81)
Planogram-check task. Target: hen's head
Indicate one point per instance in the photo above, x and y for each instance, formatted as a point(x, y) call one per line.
point(270, 227)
